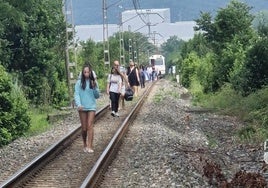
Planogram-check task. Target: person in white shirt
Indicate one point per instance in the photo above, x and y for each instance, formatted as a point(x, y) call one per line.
point(113, 89)
point(122, 71)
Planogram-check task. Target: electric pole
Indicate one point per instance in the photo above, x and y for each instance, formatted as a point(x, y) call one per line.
point(70, 61)
point(122, 46)
point(105, 34)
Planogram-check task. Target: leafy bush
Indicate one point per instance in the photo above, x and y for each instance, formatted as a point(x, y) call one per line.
point(256, 65)
point(256, 104)
point(226, 99)
point(14, 119)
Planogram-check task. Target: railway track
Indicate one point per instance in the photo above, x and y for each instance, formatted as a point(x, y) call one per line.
point(65, 164)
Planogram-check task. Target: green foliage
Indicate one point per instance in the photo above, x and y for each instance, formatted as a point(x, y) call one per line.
point(198, 44)
point(251, 109)
point(256, 105)
point(39, 121)
point(140, 42)
point(233, 20)
point(20, 109)
point(14, 118)
point(6, 136)
point(226, 99)
point(34, 44)
point(159, 96)
point(171, 45)
point(89, 53)
point(260, 23)
point(225, 67)
point(246, 133)
point(171, 50)
point(196, 89)
point(229, 35)
point(256, 66)
point(205, 72)
point(60, 96)
point(188, 69)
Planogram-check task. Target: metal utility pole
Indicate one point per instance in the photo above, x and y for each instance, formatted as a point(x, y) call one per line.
point(130, 49)
point(70, 66)
point(135, 52)
point(105, 34)
point(122, 49)
point(122, 46)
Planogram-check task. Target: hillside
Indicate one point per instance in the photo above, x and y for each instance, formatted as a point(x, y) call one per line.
point(89, 12)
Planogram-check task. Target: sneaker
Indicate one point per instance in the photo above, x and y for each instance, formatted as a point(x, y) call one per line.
point(113, 113)
point(90, 150)
point(116, 114)
point(85, 150)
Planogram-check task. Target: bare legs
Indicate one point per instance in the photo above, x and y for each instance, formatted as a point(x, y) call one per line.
point(87, 120)
point(122, 102)
point(135, 89)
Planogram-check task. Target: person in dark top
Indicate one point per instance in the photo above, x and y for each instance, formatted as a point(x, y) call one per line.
point(133, 77)
point(142, 76)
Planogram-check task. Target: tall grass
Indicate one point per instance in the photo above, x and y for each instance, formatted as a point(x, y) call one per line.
point(252, 110)
point(39, 123)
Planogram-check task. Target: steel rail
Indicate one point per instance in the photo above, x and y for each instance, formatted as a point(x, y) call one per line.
point(50, 153)
point(110, 151)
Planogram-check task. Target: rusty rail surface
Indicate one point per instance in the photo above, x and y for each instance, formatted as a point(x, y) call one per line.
point(94, 176)
point(47, 155)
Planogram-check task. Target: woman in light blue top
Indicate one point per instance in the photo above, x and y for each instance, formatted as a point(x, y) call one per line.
point(85, 93)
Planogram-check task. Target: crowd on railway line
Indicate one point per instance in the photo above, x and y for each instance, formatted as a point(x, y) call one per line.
point(122, 84)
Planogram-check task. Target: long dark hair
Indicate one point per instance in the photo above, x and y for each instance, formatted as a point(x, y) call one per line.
point(91, 77)
point(116, 70)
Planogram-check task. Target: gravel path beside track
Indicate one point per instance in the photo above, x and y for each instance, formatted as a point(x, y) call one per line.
point(168, 147)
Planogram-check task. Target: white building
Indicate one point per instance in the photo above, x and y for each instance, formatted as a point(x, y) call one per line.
point(152, 22)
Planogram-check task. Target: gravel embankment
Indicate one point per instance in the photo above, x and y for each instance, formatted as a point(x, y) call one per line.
point(172, 144)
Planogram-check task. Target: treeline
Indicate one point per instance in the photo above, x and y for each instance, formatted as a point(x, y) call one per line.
point(32, 51)
point(228, 55)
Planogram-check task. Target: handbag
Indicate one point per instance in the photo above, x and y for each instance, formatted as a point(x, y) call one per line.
point(129, 94)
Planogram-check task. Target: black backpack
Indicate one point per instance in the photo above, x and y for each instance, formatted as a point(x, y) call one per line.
point(129, 94)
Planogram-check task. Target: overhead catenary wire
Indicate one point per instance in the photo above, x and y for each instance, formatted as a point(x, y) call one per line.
point(143, 15)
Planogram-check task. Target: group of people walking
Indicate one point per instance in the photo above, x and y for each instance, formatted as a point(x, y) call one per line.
point(87, 91)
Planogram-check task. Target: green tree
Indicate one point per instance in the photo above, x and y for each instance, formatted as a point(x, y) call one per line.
point(189, 69)
point(260, 23)
point(10, 18)
point(232, 24)
point(14, 119)
point(256, 67)
point(36, 41)
point(198, 44)
point(92, 52)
